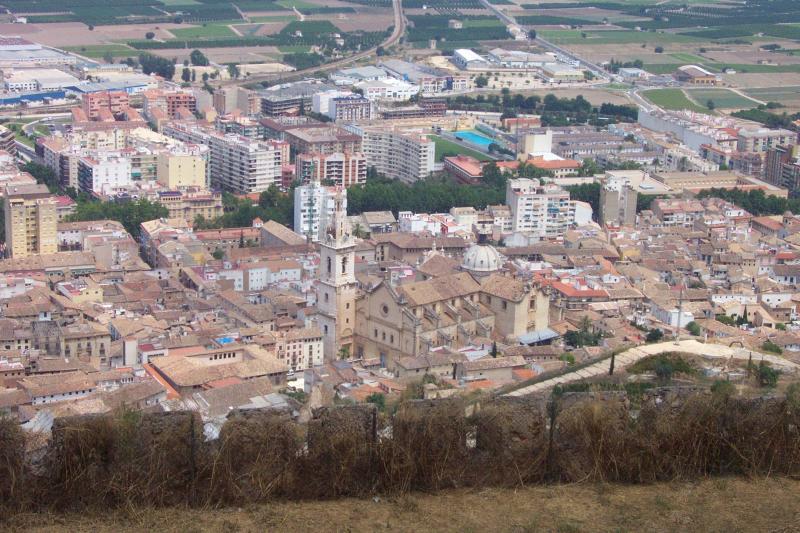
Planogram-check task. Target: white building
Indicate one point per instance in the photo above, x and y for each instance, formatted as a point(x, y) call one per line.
point(543, 210)
point(388, 89)
point(467, 59)
point(321, 101)
point(313, 209)
point(103, 173)
point(399, 153)
point(37, 79)
point(518, 58)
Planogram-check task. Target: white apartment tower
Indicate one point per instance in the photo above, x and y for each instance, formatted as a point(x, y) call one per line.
point(336, 290)
point(243, 165)
point(314, 207)
point(543, 210)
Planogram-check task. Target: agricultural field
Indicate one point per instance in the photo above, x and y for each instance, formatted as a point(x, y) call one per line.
point(787, 95)
point(722, 98)
point(100, 51)
point(206, 31)
point(674, 99)
point(613, 37)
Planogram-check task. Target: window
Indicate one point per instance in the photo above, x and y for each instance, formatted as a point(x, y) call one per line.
point(505, 305)
point(344, 265)
point(329, 265)
point(326, 297)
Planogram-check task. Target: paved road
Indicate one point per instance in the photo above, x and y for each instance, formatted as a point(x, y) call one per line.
point(629, 357)
point(397, 34)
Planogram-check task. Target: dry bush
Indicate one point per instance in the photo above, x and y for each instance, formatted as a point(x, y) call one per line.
point(79, 462)
point(428, 449)
point(511, 442)
point(341, 453)
point(13, 473)
point(590, 437)
point(757, 437)
point(255, 454)
point(680, 438)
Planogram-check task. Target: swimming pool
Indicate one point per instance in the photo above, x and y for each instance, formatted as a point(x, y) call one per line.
point(473, 137)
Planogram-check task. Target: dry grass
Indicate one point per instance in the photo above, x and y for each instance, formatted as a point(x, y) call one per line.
point(734, 505)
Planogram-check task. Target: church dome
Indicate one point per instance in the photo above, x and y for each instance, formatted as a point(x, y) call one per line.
point(482, 258)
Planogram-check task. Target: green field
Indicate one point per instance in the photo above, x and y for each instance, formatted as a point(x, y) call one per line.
point(613, 37)
point(760, 69)
point(445, 147)
point(294, 48)
point(274, 18)
point(97, 51)
point(722, 98)
point(289, 4)
point(774, 93)
point(210, 31)
point(673, 99)
point(688, 58)
point(481, 23)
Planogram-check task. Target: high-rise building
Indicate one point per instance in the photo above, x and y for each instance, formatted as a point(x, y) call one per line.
point(168, 101)
point(30, 219)
point(350, 108)
point(542, 210)
point(618, 202)
point(243, 165)
point(7, 141)
point(314, 206)
point(336, 290)
point(344, 169)
point(405, 154)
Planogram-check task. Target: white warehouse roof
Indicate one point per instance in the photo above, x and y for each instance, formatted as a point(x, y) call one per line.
point(468, 55)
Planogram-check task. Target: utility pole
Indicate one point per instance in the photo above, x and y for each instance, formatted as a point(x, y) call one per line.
point(680, 312)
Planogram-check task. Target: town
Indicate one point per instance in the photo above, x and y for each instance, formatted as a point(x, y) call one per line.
point(386, 214)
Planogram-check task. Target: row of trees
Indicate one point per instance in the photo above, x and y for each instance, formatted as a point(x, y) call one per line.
point(755, 202)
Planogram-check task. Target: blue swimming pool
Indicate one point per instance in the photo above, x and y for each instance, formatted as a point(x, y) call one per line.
point(473, 137)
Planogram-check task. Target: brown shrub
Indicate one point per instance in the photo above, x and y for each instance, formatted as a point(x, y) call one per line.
point(341, 453)
point(13, 473)
point(428, 449)
point(255, 453)
point(510, 442)
point(590, 437)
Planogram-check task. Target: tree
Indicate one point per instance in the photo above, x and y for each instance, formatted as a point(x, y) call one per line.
point(380, 51)
point(766, 375)
point(149, 35)
point(710, 104)
point(664, 370)
point(152, 64)
point(186, 75)
point(722, 389)
point(194, 75)
point(377, 399)
point(233, 71)
point(659, 49)
point(198, 58)
point(344, 352)
point(493, 353)
point(532, 34)
point(218, 254)
point(481, 81)
point(693, 328)
point(108, 57)
point(654, 335)
point(91, 27)
point(771, 347)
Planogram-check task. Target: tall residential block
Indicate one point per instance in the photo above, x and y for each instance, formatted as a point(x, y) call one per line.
point(343, 169)
point(618, 202)
point(30, 220)
point(542, 210)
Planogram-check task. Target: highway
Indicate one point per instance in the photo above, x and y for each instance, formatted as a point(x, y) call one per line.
point(397, 34)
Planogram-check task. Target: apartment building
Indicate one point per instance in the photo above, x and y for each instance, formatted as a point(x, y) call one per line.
point(168, 102)
point(300, 348)
point(181, 168)
point(30, 220)
point(322, 139)
point(114, 102)
point(782, 167)
point(342, 168)
point(290, 99)
point(542, 210)
point(243, 165)
point(350, 108)
point(103, 173)
point(404, 154)
point(763, 139)
point(618, 202)
point(314, 206)
point(237, 164)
